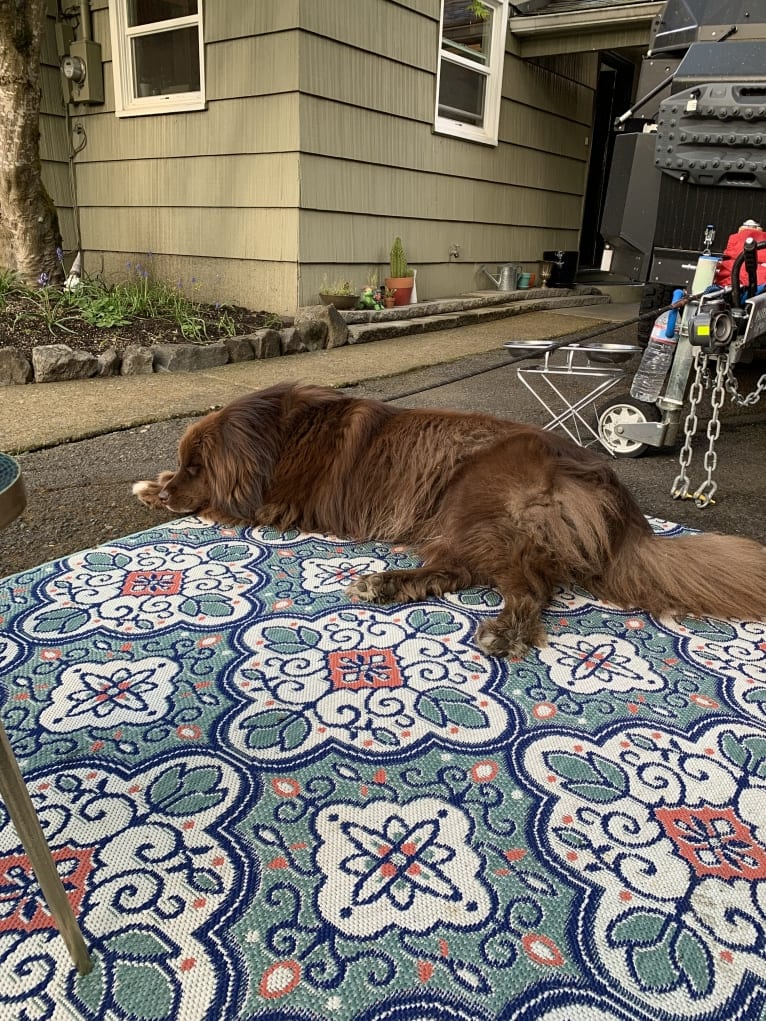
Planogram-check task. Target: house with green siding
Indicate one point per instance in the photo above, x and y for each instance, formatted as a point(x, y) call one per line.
point(252, 149)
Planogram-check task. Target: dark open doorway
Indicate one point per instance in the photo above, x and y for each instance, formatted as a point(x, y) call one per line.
point(614, 94)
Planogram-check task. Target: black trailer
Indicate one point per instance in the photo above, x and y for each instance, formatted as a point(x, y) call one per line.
point(691, 152)
point(688, 179)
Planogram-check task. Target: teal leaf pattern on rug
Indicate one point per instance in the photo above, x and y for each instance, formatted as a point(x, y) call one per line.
point(184, 791)
point(434, 623)
point(61, 622)
point(277, 729)
point(595, 779)
point(288, 641)
point(448, 705)
point(664, 955)
point(138, 967)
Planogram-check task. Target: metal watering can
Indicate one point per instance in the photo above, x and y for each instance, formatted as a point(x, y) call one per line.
point(507, 276)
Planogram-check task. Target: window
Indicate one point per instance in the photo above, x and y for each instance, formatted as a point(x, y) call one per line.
point(157, 56)
point(470, 79)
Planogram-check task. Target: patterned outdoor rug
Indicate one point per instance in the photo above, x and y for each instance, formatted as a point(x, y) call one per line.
point(268, 802)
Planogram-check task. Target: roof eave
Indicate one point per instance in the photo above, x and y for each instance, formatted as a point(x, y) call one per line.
point(619, 27)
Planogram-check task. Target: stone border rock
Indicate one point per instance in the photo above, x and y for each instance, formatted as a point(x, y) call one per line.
point(315, 327)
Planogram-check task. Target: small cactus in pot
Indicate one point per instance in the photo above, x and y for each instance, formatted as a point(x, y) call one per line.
point(398, 261)
point(401, 279)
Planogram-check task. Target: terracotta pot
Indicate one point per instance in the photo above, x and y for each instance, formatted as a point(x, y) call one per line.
point(403, 288)
point(389, 302)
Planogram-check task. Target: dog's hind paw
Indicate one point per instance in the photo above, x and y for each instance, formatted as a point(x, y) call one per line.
point(368, 589)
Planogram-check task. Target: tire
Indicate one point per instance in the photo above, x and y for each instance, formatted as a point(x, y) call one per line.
point(654, 297)
point(620, 410)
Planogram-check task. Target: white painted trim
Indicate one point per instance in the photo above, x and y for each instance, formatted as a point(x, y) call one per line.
point(487, 134)
point(125, 103)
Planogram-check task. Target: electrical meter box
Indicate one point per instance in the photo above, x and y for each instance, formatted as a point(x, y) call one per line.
point(83, 70)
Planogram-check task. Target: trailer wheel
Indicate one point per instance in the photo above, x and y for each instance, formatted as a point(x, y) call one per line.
point(654, 297)
point(620, 411)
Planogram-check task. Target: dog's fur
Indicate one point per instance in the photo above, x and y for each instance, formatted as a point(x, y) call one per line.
point(485, 501)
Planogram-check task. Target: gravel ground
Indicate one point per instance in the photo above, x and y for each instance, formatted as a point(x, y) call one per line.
point(79, 494)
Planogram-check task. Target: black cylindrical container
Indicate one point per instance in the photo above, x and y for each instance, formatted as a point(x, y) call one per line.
point(564, 268)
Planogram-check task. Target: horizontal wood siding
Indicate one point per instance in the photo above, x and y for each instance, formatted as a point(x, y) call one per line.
point(255, 125)
point(252, 66)
point(317, 147)
point(238, 181)
point(225, 19)
point(371, 169)
point(268, 234)
point(213, 190)
point(362, 78)
point(381, 191)
point(402, 34)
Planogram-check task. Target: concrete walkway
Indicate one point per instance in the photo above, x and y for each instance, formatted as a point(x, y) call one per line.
point(44, 415)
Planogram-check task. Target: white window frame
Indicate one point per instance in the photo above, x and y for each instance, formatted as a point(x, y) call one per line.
point(125, 102)
point(487, 133)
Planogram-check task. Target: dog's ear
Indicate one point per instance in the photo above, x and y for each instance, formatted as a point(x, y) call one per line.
point(227, 450)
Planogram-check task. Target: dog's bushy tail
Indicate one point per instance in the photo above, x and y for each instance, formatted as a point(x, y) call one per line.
point(706, 575)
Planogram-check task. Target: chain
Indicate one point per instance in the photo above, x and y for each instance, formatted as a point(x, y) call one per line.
point(744, 400)
point(703, 496)
point(680, 487)
point(706, 491)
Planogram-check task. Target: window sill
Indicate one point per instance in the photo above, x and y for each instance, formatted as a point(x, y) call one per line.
point(161, 104)
point(454, 129)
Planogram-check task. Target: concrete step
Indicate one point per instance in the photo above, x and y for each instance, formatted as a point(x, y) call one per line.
point(465, 310)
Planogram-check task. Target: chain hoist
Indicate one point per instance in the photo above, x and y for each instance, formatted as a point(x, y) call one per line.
point(703, 495)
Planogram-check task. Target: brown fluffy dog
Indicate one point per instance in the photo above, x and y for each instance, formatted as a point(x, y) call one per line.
point(485, 501)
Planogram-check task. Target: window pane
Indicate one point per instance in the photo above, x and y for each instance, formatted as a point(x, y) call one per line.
point(461, 93)
point(465, 34)
point(146, 12)
point(166, 62)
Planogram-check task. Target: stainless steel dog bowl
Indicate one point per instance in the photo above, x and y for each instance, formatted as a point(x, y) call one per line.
point(13, 496)
point(529, 345)
point(610, 352)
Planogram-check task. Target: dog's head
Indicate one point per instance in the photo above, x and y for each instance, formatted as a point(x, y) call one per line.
point(189, 488)
point(225, 460)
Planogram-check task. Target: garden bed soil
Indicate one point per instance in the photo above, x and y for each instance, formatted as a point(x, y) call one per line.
point(22, 333)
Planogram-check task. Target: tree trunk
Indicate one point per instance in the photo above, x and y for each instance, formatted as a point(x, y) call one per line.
point(29, 227)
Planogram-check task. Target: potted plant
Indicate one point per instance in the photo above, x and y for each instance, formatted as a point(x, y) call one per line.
point(340, 293)
point(388, 297)
point(401, 279)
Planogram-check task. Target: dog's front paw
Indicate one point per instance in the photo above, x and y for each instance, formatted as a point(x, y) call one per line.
point(507, 640)
point(148, 490)
point(275, 515)
point(372, 588)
